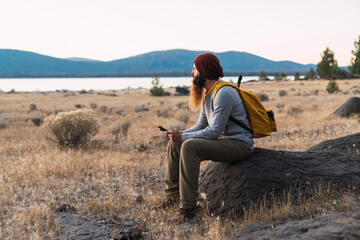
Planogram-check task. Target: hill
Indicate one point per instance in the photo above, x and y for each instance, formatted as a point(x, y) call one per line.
point(16, 63)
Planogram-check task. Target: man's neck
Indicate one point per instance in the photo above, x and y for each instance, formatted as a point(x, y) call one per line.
point(209, 83)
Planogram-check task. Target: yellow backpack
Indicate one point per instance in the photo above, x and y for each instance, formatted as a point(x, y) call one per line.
point(262, 120)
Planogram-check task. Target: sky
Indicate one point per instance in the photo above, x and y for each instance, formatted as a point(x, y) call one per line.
point(106, 30)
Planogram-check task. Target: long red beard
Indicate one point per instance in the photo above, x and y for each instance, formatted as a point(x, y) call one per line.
point(196, 92)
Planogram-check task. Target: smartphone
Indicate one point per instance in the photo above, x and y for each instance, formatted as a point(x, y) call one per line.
point(162, 129)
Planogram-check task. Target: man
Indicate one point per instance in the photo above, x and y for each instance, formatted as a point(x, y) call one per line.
point(214, 137)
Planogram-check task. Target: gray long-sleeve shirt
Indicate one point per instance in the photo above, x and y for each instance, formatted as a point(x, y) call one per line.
point(214, 123)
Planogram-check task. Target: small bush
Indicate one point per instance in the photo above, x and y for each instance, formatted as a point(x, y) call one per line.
point(33, 107)
point(121, 126)
point(79, 106)
point(163, 113)
point(182, 116)
point(72, 128)
point(332, 87)
point(157, 89)
point(263, 96)
point(295, 110)
point(183, 105)
point(4, 123)
point(280, 106)
point(283, 93)
point(37, 121)
point(103, 108)
point(93, 106)
point(315, 91)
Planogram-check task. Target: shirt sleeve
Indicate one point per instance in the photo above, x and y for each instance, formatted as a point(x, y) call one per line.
point(201, 123)
point(223, 105)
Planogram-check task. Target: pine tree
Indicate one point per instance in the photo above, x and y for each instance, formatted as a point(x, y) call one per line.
point(262, 75)
point(327, 67)
point(311, 74)
point(297, 76)
point(355, 61)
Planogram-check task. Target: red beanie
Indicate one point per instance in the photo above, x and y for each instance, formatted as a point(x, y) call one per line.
point(209, 66)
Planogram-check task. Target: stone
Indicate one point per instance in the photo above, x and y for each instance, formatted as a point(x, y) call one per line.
point(348, 144)
point(349, 108)
point(328, 226)
point(73, 226)
point(229, 187)
point(181, 91)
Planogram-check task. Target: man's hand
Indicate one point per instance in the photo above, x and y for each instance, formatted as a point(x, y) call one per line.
point(174, 135)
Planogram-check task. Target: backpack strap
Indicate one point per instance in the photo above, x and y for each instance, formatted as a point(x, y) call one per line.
point(217, 88)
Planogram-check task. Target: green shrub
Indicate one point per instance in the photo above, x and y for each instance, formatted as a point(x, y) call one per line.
point(263, 96)
point(157, 89)
point(72, 128)
point(33, 107)
point(332, 87)
point(121, 126)
point(283, 93)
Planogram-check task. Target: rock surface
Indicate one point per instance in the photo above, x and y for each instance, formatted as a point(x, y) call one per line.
point(349, 108)
point(73, 226)
point(329, 226)
point(229, 187)
point(347, 144)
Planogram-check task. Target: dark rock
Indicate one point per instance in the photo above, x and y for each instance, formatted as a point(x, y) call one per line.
point(79, 106)
point(38, 120)
point(229, 187)
point(329, 226)
point(33, 107)
point(347, 144)
point(66, 208)
point(141, 109)
point(180, 91)
point(73, 226)
point(349, 108)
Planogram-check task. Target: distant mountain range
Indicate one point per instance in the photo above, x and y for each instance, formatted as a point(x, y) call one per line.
point(177, 62)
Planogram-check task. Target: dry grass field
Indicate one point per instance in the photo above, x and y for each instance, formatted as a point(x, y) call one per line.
point(104, 180)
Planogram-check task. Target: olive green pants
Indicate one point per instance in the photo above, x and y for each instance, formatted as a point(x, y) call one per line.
point(183, 164)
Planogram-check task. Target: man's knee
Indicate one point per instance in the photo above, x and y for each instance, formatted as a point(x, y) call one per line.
point(173, 146)
point(189, 145)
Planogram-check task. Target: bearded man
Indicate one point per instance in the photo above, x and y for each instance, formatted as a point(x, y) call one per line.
point(214, 137)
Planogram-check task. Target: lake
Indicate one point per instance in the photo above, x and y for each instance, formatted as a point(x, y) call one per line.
point(77, 84)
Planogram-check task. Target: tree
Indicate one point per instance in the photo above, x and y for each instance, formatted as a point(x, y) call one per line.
point(276, 76)
point(332, 87)
point(262, 75)
point(283, 75)
point(311, 74)
point(327, 67)
point(355, 61)
point(297, 76)
point(342, 73)
point(157, 89)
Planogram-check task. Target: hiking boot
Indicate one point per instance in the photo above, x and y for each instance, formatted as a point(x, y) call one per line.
point(170, 201)
point(184, 215)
